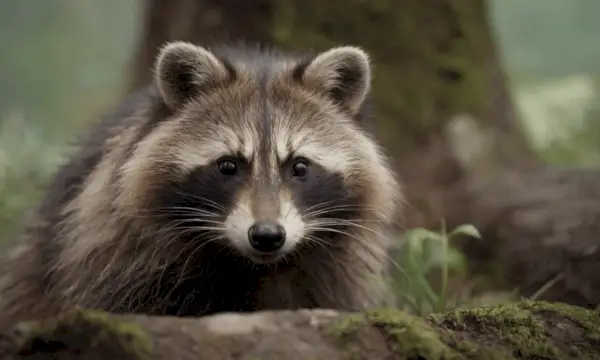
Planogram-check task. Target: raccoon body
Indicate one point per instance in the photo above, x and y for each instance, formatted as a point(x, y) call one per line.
point(241, 180)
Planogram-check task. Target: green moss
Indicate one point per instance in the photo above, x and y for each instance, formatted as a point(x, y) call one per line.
point(349, 329)
point(347, 326)
point(410, 336)
point(96, 328)
point(587, 320)
point(509, 323)
point(407, 336)
point(519, 326)
point(522, 330)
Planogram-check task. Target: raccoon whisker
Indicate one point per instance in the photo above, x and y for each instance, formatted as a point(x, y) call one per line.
point(322, 206)
point(356, 225)
point(194, 220)
point(321, 213)
point(319, 204)
point(174, 208)
point(204, 200)
point(332, 208)
point(198, 229)
point(343, 222)
point(185, 213)
point(345, 233)
point(178, 224)
point(364, 244)
point(190, 214)
point(315, 240)
point(186, 210)
point(337, 220)
point(329, 229)
point(201, 221)
point(175, 232)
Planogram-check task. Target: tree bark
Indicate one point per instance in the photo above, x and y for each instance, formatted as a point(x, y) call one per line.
point(198, 21)
point(526, 330)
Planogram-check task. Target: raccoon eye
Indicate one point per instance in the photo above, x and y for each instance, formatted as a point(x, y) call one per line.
point(300, 168)
point(228, 167)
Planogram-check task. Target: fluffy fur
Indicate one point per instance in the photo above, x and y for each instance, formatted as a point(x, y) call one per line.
point(142, 219)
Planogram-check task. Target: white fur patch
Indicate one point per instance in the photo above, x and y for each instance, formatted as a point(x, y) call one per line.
point(237, 224)
point(241, 219)
point(291, 220)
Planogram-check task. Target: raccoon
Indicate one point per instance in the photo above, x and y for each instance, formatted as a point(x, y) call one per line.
point(242, 179)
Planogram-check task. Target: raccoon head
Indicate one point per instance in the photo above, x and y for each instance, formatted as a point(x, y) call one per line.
point(261, 153)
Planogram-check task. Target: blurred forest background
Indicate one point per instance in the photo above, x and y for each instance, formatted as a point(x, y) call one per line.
point(65, 62)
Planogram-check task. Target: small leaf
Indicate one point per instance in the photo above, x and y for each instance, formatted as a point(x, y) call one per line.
point(456, 261)
point(467, 229)
point(422, 234)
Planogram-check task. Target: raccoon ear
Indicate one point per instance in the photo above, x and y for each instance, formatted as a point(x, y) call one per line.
point(183, 70)
point(344, 73)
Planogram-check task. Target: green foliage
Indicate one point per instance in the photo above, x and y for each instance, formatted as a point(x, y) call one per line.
point(27, 160)
point(61, 66)
point(422, 251)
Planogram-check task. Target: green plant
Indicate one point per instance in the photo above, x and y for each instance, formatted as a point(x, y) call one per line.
point(422, 251)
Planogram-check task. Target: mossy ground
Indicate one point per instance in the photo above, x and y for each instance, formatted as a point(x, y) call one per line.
point(523, 330)
point(82, 332)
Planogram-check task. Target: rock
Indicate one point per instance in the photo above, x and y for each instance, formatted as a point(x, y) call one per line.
point(522, 330)
point(541, 231)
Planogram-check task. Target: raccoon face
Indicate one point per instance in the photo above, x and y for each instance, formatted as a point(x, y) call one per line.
point(265, 159)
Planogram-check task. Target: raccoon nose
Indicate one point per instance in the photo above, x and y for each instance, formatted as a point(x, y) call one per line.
point(266, 236)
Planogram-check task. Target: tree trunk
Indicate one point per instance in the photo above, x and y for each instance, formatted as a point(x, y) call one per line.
point(525, 330)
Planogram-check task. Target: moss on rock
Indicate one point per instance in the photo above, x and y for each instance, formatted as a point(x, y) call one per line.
point(525, 330)
point(82, 331)
point(409, 336)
